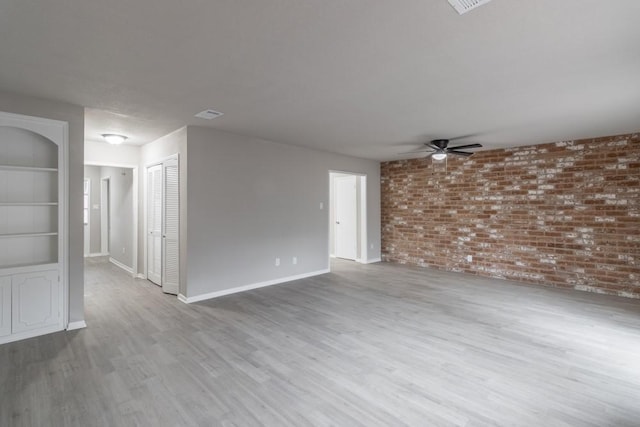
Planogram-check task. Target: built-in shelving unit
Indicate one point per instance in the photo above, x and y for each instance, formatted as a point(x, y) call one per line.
point(31, 226)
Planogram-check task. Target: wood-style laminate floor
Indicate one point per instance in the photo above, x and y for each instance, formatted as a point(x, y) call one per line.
point(374, 345)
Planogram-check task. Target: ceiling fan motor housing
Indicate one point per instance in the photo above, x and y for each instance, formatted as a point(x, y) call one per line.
point(440, 143)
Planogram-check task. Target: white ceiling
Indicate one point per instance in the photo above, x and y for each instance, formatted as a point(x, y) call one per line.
point(368, 78)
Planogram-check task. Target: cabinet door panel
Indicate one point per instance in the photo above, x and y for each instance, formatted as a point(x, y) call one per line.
point(35, 300)
point(5, 306)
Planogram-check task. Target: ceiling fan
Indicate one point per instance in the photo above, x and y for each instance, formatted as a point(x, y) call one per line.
point(438, 149)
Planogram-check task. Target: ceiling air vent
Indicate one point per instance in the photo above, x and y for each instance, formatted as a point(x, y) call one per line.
point(463, 6)
point(208, 114)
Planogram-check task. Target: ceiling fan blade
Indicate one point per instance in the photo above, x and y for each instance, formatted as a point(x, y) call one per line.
point(458, 147)
point(459, 153)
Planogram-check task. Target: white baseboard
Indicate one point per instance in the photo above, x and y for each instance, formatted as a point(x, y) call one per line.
point(95, 255)
point(372, 260)
point(141, 276)
point(210, 295)
point(76, 325)
point(121, 265)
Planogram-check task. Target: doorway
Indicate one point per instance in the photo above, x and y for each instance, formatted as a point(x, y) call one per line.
point(347, 217)
point(163, 224)
point(113, 210)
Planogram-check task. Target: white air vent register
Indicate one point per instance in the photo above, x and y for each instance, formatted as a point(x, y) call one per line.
point(209, 114)
point(463, 6)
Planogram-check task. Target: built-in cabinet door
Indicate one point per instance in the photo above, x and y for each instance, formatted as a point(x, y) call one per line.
point(5, 306)
point(35, 300)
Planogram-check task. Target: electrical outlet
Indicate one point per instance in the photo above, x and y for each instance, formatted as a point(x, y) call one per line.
point(277, 262)
point(124, 251)
point(321, 206)
point(372, 246)
point(294, 260)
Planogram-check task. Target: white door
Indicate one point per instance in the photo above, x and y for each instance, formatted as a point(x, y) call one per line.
point(170, 227)
point(346, 217)
point(105, 218)
point(35, 300)
point(86, 216)
point(154, 224)
point(5, 306)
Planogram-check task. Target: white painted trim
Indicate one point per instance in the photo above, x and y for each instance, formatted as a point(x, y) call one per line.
point(373, 260)
point(210, 295)
point(76, 325)
point(141, 276)
point(121, 265)
point(95, 255)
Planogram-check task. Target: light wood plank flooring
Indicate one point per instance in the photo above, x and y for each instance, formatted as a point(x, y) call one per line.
point(374, 345)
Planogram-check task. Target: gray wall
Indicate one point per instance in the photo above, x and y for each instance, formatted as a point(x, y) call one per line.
point(74, 115)
point(252, 200)
point(152, 153)
point(120, 213)
point(93, 174)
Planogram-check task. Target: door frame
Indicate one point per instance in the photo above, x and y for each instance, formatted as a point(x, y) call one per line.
point(134, 168)
point(105, 215)
point(361, 193)
point(146, 203)
point(87, 226)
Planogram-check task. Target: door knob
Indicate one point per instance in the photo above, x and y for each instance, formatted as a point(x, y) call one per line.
point(337, 222)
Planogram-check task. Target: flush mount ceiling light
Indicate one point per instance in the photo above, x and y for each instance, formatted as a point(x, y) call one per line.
point(113, 138)
point(464, 6)
point(439, 156)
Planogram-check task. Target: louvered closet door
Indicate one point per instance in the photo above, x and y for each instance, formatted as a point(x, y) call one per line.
point(171, 228)
point(154, 224)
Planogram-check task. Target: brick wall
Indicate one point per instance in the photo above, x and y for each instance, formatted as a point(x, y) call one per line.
point(563, 214)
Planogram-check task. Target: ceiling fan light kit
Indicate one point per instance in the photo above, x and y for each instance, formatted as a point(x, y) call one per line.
point(440, 149)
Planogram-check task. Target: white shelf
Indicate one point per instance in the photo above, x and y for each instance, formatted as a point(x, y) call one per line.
point(27, 168)
point(8, 236)
point(28, 203)
point(27, 267)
